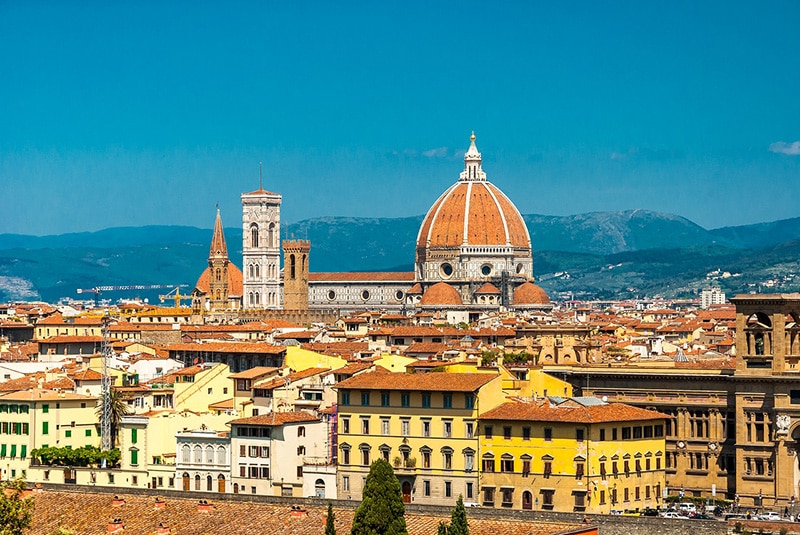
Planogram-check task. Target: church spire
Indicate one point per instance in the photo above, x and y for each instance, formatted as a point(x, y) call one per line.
point(218, 246)
point(472, 163)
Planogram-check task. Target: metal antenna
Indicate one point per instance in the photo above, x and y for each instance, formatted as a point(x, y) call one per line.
point(105, 420)
point(260, 176)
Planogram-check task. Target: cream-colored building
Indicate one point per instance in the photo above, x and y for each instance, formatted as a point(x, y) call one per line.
point(38, 418)
point(268, 452)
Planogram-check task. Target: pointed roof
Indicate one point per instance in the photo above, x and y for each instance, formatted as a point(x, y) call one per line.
point(218, 246)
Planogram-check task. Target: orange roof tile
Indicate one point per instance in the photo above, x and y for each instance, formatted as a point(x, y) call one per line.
point(545, 410)
point(441, 293)
point(434, 381)
point(276, 418)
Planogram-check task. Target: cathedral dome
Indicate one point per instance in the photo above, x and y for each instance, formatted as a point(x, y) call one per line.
point(472, 212)
point(527, 294)
point(441, 293)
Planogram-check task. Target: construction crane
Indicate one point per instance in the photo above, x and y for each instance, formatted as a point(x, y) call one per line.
point(97, 290)
point(175, 294)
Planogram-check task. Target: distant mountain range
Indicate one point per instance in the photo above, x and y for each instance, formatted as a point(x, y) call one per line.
point(595, 255)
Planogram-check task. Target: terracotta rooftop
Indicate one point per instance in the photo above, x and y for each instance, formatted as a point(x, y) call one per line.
point(529, 293)
point(87, 375)
point(276, 418)
point(292, 377)
point(254, 373)
point(434, 381)
point(375, 276)
point(89, 513)
point(545, 410)
point(39, 394)
point(229, 347)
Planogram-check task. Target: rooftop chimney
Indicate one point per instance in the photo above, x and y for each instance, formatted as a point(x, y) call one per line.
point(117, 501)
point(160, 503)
point(204, 507)
point(115, 525)
point(163, 529)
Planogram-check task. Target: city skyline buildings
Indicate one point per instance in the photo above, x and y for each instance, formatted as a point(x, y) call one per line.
point(150, 114)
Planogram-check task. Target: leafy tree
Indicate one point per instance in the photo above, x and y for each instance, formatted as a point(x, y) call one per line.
point(16, 512)
point(458, 519)
point(65, 456)
point(119, 408)
point(330, 529)
point(442, 529)
point(381, 511)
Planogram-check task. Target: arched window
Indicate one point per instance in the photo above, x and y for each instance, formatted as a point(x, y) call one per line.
point(253, 235)
point(198, 455)
point(271, 235)
point(209, 484)
point(209, 455)
point(186, 453)
point(221, 455)
point(197, 482)
point(258, 271)
point(292, 267)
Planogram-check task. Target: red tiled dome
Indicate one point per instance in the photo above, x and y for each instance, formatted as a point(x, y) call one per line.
point(473, 211)
point(528, 293)
point(235, 287)
point(441, 293)
point(487, 288)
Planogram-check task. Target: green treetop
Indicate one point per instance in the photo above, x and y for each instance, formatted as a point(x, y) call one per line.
point(16, 512)
point(381, 511)
point(458, 520)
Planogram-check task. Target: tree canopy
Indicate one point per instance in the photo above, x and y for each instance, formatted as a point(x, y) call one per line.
point(330, 529)
point(458, 519)
point(16, 511)
point(84, 456)
point(381, 511)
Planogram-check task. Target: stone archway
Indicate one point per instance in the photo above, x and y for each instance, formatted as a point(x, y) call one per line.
point(794, 450)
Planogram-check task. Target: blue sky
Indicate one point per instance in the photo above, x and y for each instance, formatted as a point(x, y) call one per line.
point(137, 113)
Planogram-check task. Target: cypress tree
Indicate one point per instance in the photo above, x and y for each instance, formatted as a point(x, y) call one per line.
point(458, 520)
point(381, 511)
point(330, 529)
point(442, 528)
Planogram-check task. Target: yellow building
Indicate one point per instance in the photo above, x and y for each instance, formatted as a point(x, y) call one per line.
point(571, 454)
point(425, 425)
point(38, 418)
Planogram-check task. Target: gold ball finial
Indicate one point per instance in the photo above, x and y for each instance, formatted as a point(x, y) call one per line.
point(472, 137)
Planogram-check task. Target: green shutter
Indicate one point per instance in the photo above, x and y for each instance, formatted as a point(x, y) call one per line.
point(45, 428)
point(134, 436)
point(88, 432)
point(23, 451)
point(2, 450)
point(45, 408)
point(68, 434)
point(13, 450)
point(134, 457)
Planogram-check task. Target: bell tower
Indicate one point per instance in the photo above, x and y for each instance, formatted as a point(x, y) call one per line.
point(261, 230)
point(295, 274)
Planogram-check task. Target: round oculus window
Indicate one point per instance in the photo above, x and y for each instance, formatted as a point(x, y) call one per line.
point(331, 295)
point(398, 295)
point(486, 270)
point(446, 270)
point(365, 295)
point(520, 268)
